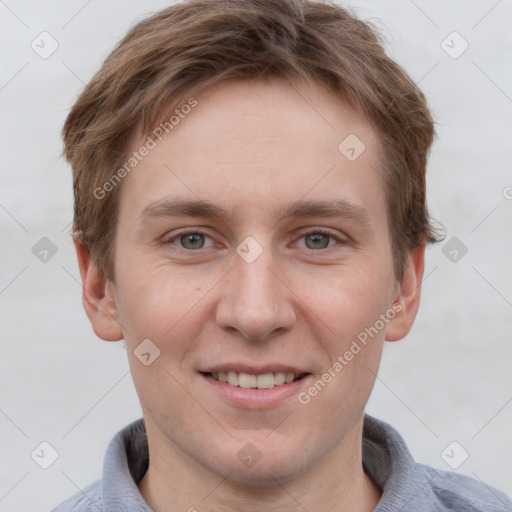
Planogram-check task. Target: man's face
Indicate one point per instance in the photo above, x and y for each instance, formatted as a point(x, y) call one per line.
point(249, 244)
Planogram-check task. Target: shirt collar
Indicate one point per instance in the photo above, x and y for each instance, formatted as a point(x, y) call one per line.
point(387, 461)
point(126, 462)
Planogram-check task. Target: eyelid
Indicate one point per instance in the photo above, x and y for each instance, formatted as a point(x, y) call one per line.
point(317, 229)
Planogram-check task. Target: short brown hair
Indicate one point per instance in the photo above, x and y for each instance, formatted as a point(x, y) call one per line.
point(185, 48)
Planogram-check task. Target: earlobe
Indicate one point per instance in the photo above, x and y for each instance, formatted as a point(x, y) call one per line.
point(408, 295)
point(98, 297)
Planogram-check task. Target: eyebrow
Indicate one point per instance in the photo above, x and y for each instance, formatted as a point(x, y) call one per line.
point(337, 208)
point(181, 207)
point(301, 209)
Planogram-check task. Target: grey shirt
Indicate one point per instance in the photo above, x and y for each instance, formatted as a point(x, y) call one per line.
point(406, 486)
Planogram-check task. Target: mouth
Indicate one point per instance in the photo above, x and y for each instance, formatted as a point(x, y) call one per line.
point(244, 380)
point(248, 386)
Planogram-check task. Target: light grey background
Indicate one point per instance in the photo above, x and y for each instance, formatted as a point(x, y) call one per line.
point(450, 380)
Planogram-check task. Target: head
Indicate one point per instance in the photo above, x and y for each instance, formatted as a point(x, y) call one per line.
point(274, 222)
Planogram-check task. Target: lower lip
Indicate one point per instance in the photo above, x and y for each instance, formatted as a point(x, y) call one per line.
point(254, 398)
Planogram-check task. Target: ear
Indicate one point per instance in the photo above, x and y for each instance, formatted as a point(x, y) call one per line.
point(408, 295)
point(98, 297)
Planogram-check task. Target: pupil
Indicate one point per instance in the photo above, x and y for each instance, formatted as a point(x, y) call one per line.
point(317, 241)
point(192, 241)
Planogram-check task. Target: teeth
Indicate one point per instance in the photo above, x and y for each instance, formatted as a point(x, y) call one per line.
point(247, 381)
point(265, 381)
point(233, 378)
point(262, 381)
point(279, 378)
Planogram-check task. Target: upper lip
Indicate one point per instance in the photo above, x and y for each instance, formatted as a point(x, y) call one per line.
point(252, 369)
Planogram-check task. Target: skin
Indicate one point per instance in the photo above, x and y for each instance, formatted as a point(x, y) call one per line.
point(253, 150)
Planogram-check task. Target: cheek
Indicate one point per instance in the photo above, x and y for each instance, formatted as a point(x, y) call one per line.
point(349, 313)
point(346, 301)
point(153, 301)
point(170, 311)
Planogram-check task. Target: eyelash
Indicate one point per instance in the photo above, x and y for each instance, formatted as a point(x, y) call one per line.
point(305, 233)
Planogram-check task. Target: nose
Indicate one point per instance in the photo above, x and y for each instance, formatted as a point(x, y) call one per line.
point(254, 301)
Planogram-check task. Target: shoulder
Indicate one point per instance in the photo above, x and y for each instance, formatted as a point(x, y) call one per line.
point(457, 492)
point(88, 500)
point(125, 462)
point(408, 485)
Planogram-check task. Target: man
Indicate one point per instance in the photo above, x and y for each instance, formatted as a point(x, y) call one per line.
point(250, 217)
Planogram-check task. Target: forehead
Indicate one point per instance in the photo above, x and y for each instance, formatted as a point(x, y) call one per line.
point(258, 146)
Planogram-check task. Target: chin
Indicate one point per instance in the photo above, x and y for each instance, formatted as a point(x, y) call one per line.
point(266, 467)
point(264, 474)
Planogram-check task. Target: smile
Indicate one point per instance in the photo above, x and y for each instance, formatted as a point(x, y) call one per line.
point(260, 381)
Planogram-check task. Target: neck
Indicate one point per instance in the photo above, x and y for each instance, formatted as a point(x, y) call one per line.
point(337, 483)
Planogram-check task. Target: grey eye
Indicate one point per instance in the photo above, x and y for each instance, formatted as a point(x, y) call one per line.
point(192, 241)
point(317, 241)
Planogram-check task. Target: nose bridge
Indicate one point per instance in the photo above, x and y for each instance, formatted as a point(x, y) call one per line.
point(254, 303)
point(255, 283)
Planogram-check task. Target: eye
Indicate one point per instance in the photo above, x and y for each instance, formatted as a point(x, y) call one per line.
point(317, 240)
point(191, 241)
